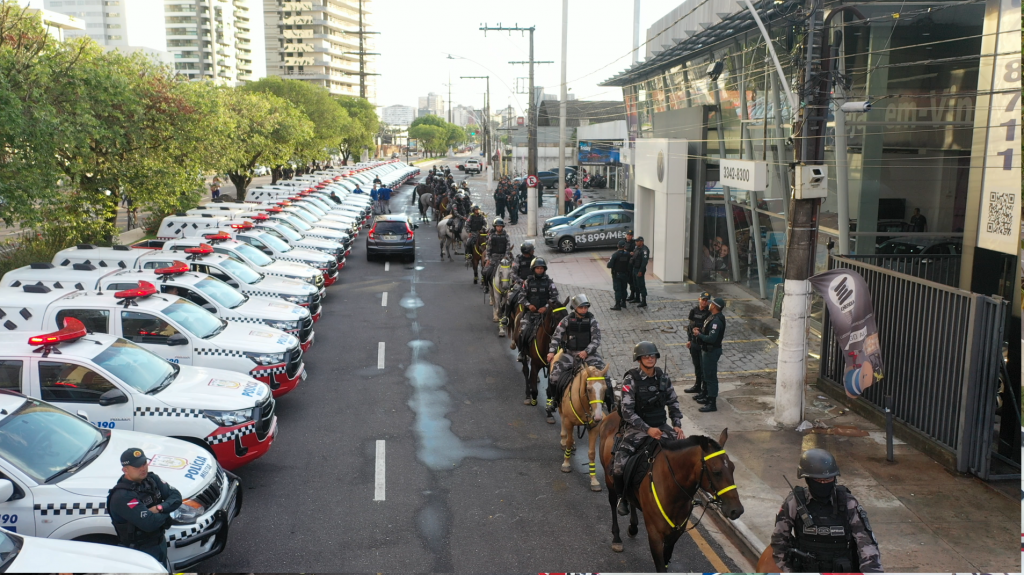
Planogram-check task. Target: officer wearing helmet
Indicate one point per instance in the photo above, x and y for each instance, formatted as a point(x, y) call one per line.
point(539, 295)
point(498, 246)
point(822, 528)
point(475, 225)
point(646, 393)
point(579, 336)
point(709, 338)
point(520, 270)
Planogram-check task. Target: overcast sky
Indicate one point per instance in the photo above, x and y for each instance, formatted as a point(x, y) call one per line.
point(417, 36)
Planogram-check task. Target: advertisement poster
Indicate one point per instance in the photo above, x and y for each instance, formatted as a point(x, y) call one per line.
point(596, 153)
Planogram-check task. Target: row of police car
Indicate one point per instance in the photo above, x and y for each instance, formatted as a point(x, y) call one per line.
point(180, 346)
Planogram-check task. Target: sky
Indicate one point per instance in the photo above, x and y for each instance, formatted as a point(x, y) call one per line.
point(416, 38)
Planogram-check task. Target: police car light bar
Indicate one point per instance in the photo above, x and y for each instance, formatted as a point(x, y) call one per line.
point(201, 249)
point(295, 198)
point(260, 217)
point(178, 267)
point(145, 289)
point(284, 203)
point(219, 236)
point(245, 225)
point(73, 329)
point(275, 210)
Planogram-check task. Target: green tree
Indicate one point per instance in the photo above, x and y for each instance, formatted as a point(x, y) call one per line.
point(473, 133)
point(454, 135)
point(429, 120)
point(433, 139)
point(365, 125)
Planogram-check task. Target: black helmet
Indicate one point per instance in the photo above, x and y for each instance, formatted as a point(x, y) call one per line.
point(622, 243)
point(526, 248)
point(645, 348)
point(474, 208)
point(539, 263)
point(498, 222)
point(817, 464)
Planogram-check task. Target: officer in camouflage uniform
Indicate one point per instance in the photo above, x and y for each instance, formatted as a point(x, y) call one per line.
point(646, 392)
point(498, 245)
point(539, 295)
point(520, 271)
point(475, 224)
point(579, 335)
point(822, 528)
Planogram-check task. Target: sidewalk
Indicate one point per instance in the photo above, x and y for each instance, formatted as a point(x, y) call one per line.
point(924, 518)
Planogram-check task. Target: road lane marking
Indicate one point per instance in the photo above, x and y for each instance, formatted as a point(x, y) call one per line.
point(384, 300)
point(706, 549)
point(380, 355)
point(387, 266)
point(378, 479)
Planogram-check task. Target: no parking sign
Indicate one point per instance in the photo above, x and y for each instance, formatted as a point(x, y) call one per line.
point(531, 181)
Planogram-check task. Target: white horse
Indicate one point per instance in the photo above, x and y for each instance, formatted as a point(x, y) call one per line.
point(501, 283)
point(426, 203)
point(445, 237)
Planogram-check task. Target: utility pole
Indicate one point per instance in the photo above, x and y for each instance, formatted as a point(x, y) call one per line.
point(486, 124)
point(559, 193)
point(636, 30)
point(362, 54)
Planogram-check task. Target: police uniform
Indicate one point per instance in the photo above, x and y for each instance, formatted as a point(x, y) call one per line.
point(631, 247)
point(520, 271)
point(619, 264)
point(710, 339)
point(574, 334)
point(498, 244)
point(129, 504)
point(499, 200)
point(475, 224)
point(539, 291)
point(644, 399)
point(512, 203)
point(697, 318)
point(637, 269)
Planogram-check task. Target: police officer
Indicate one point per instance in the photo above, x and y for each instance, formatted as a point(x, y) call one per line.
point(512, 202)
point(619, 264)
point(520, 271)
point(539, 294)
point(499, 199)
point(498, 245)
point(140, 505)
point(579, 336)
point(474, 226)
point(698, 314)
point(646, 392)
point(630, 247)
point(710, 339)
point(637, 270)
point(822, 528)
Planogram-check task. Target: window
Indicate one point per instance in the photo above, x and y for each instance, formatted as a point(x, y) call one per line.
point(69, 382)
point(113, 37)
point(145, 328)
point(113, 26)
point(155, 265)
point(619, 219)
point(186, 293)
point(95, 320)
point(113, 14)
point(112, 3)
point(10, 374)
point(594, 221)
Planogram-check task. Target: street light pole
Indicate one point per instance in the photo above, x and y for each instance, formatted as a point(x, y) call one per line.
point(559, 194)
point(487, 119)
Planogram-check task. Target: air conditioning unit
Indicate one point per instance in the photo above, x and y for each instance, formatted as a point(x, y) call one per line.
point(811, 182)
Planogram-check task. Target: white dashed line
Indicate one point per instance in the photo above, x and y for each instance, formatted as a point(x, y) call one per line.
point(380, 355)
point(387, 266)
point(384, 299)
point(378, 474)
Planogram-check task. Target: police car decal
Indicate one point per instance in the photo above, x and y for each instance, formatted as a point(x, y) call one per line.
point(99, 508)
point(244, 429)
point(168, 462)
point(167, 412)
point(269, 371)
point(199, 468)
point(586, 238)
point(261, 334)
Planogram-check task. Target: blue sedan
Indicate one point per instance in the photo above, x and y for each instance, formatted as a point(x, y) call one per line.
point(586, 209)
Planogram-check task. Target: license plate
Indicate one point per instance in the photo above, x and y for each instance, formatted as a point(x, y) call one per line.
point(303, 375)
point(390, 237)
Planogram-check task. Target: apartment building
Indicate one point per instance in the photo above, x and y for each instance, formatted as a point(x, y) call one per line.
point(432, 104)
point(218, 40)
point(398, 115)
point(126, 25)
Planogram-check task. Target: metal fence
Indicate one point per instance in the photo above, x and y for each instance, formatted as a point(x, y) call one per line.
point(941, 349)
point(943, 269)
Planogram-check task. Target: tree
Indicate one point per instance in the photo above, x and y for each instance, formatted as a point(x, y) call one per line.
point(365, 125)
point(429, 120)
point(454, 136)
point(434, 139)
point(473, 133)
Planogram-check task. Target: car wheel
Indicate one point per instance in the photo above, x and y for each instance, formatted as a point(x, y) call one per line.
point(566, 245)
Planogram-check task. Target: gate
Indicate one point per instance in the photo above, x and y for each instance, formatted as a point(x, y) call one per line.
point(941, 347)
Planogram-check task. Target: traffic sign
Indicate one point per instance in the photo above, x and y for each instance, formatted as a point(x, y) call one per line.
point(531, 181)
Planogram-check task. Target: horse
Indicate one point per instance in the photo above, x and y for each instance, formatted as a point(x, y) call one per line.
point(426, 201)
point(420, 189)
point(478, 253)
point(500, 285)
point(680, 468)
point(446, 237)
point(536, 351)
point(582, 405)
point(442, 205)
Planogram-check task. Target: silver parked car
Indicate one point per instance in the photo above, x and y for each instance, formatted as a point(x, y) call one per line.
point(597, 229)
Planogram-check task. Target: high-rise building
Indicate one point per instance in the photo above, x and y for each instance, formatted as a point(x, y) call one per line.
point(318, 41)
point(466, 115)
point(125, 25)
point(398, 115)
point(217, 40)
point(433, 104)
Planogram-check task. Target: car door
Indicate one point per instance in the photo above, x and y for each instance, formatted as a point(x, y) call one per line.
point(78, 388)
point(618, 224)
point(587, 230)
point(17, 514)
point(157, 335)
point(192, 296)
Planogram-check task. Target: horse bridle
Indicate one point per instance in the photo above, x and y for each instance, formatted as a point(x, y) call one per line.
point(714, 496)
point(506, 280)
point(589, 422)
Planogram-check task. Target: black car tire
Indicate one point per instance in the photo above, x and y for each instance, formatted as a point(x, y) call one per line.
point(369, 257)
point(566, 245)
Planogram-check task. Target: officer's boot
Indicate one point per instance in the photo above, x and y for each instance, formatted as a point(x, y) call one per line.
point(633, 297)
point(695, 388)
point(643, 301)
point(709, 405)
point(617, 306)
point(620, 490)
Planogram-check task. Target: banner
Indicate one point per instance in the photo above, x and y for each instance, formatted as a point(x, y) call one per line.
point(597, 153)
point(853, 320)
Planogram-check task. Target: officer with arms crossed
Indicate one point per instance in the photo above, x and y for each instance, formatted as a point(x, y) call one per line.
point(579, 336)
point(709, 337)
point(539, 294)
point(646, 392)
point(698, 315)
point(822, 528)
point(140, 505)
point(619, 264)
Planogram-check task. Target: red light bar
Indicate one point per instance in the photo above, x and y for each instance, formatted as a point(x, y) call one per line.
point(73, 329)
point(221, 235)
point(200, 249)
point(307, 190)
point(275, 210)
point(176, 268)
point(284, 203)
point(336, 178)
point(295, 198)
point(144, 289)
point(260, 217)
point(306, 193)
point(243, 225)
point(320, 186)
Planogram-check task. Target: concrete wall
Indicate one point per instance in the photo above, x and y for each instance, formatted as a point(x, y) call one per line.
point(661, 203)
point(614, 130)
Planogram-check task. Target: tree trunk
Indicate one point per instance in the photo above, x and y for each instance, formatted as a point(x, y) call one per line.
point(275, 174)
point(241, 182)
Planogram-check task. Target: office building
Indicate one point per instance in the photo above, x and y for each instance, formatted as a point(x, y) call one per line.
point(125, 25)
point(216, 39)
point(398, 115)
point(432, 104)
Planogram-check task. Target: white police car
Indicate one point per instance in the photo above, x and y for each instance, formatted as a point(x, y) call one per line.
point(56, 470)
point(169, 326)
point(115, 384)
point(21, 554)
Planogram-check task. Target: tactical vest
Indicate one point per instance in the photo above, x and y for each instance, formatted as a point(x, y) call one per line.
point(148, 495)
point(621, 265)
point(577, 332)
point(699, 317)
point(830, 539)
point(476, 223)
point(498, 244)
point(524, 271)
point(651, 396)
point(538, 291)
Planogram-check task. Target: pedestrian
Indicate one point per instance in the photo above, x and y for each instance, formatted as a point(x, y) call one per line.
point(822, 527)
point(358, 190)
point(140, 506)
point(215, 188)
point(619, 264)
point(335, 197)
point(577, 196)
point(918, 223)
point(567, 203)
point(579, 336)
point(499, 200)
point(630, 247)
point(384, 195)
point(638, 269)
point(710, 338)
point(698, 314)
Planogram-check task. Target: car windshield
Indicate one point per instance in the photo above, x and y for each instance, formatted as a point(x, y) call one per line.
point(221, 292)
point(10, 546)
point(305, 214)
point(138, 367)
point(297, 223)
point(241, 271)
point(272, 239)
point(254, 255)
point(195, 319)
point(287, 231)
point(314, 208)
point(45, 442)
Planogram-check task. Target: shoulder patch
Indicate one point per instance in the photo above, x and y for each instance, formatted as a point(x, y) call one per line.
point(626, 387)
point(133, 503)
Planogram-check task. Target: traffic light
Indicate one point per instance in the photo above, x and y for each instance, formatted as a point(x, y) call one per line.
point(472, 133)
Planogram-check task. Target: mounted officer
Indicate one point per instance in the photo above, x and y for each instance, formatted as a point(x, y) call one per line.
point(539, 295)
point(520, 271)
point(475, 224)
point(646, 392)
point(579, 336)
point(498, 245)
point(140, 506)
point(698, 315)
point(822, 528)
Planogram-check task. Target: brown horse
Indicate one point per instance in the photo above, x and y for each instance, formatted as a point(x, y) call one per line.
point(582, 405)
point(476, 255)
point(680, 469)
point(537, 350)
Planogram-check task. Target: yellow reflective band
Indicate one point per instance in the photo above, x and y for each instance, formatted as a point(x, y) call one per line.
point(715, 454)
point(556, 310)
point(594, 378)
point(593, 401)
point(660, 508)
point(730, 488)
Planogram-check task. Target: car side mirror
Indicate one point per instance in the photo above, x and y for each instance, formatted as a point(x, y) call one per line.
point(210, 308)
point(6, 490)
point(177, 339)
point(113, 397)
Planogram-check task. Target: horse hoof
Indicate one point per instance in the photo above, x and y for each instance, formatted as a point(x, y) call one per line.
point(474, 281)
point(632, 530)
point(551, 419)
point(595, 487)
point(617, 547)
point(501, 333)
point(527, 401)
point(566, 467)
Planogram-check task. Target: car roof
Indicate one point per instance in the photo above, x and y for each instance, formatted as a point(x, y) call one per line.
point(10, 401)
point(392, 218)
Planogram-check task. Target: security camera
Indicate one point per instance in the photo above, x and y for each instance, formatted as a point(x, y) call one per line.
point(856, 107)
point(715, 70)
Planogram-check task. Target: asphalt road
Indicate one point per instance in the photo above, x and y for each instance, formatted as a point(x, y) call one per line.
point(472, 479)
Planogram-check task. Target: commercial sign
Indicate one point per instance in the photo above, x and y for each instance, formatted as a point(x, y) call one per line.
point(743, 174)
point(597, 153)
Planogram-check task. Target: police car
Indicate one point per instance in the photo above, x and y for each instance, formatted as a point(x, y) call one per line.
point(21, 554)
point(115, 384)
point(56, 470)
point(602, 228)
point(344, 226)
point(169, 326)
point(273, 241)
point(288, 234)
point(286, 213)
point(203, 290)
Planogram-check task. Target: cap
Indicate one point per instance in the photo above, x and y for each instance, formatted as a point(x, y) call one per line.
point(640, 238)
point(705, 295)
point(629, 233)
point(718, 302)
point(133, 457)
point(622, 243)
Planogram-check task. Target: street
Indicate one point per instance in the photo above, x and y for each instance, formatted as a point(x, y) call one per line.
point(407, 365)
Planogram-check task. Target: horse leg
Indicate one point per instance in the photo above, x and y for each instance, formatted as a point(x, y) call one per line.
point(657, 549)
point(670, 544)
point(633, 529)
point(591, 452)
point(569, 442)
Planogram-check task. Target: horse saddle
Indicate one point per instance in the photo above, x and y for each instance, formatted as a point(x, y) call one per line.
point(564, 381)
point(638, 464)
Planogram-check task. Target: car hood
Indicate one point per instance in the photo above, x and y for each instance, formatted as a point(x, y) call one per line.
point(39, 554)
point(334, 235)
point(556, 221)
point(315, 244)
point(291, 268)
point(208, 388)
point(188, 467)
point(270, 308)
point(307, 253)
point(560, 228)
point(274, 284)
point(251, 337)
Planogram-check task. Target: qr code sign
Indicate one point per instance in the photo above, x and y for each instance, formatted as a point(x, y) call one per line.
point(1000, 212)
